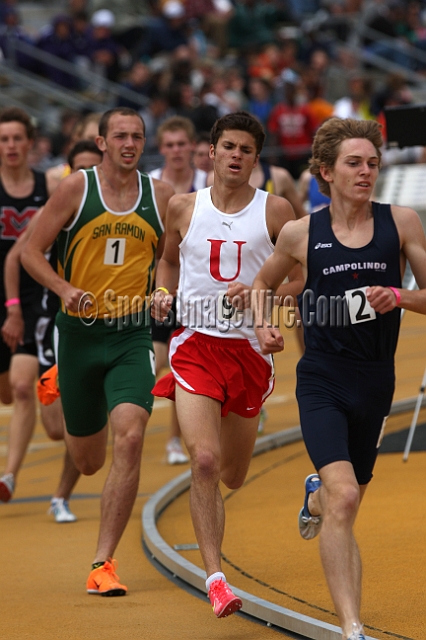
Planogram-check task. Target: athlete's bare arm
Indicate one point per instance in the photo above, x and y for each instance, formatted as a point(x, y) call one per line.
point(303, 185)
point(286, 188)
point(54, 175)
point(290, 252)
point(13, 327)
point(413, 249)
point(178, 218)
point(57, 213)
point(163, 193)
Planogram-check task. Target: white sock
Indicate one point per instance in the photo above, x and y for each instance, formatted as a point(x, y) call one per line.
point(215, 576)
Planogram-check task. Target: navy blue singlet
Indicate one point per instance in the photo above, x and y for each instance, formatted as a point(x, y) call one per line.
point(335, 312)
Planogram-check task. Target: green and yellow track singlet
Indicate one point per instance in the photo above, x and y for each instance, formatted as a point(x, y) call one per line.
point(112, 254)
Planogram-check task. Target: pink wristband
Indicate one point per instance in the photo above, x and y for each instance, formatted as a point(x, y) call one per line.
point(11, 302)
point(397, 295)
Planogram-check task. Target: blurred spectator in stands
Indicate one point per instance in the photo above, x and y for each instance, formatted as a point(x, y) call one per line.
point(220, 96)
point(40, 156)
point(333, 24)
point(5, 5)
point(260, 100)
point(236, 86)
point(131, 19)
point(85, 128)
point(322, 68)
point(213, 17)
point(60, 140)
point(205, 114)
point(357, 103)
point(388, 20)
point(393, 83)
point(139, 80)
point(105, 52)
point(58, 42)
point(82, 41)
point(303, 8)
point(268, 63)
point(417, 31)
point(89, 129)
point(156, 111)
point(181, 98)
point(201, 158)
point(166, 33)
point(320, 108)
point(11, 36)
point(254, 24)
point(291, 127)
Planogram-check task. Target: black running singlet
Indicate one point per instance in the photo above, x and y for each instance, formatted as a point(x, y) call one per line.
point(15, 214)
point(336, 315)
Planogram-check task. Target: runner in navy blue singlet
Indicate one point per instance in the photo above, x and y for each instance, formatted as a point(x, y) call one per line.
point(353, 254)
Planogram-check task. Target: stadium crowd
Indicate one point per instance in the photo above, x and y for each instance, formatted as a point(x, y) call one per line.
point(288, 63)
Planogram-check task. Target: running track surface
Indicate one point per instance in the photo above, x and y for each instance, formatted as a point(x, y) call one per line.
point(45, 565)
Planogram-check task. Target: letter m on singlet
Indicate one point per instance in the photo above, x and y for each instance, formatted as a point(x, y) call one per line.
point(13, 222)
point(215, 251)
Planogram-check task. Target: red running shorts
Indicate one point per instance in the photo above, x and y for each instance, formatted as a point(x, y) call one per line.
point(226, 369)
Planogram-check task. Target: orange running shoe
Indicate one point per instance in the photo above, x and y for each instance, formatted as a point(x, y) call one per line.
point(47, 386)
point(103, 581)
point(223, 601)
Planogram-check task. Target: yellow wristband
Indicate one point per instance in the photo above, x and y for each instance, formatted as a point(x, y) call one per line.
point(166, 291)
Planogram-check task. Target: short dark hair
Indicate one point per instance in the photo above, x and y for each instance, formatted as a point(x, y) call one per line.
point(15, 114)
point(123, 111)
point(80, 147)
point(241, 121)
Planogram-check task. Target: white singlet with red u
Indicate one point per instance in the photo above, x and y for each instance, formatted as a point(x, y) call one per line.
point(215, 353)
point(217, 250)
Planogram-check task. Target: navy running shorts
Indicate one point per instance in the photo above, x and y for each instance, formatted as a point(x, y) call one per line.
point(343, 406)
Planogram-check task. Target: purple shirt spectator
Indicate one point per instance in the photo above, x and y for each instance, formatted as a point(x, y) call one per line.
point(58, 42)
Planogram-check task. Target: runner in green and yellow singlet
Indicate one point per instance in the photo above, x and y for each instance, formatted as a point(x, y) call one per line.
point(109, 225)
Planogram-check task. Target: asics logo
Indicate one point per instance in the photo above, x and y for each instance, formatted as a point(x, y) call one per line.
point(323, 245)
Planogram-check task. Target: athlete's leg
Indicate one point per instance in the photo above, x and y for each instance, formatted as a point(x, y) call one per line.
point(128, 422)
point(23, 373)
point(53, 421)
point(199, 418)
point(237, 438)
point(88, 453)
point(338, 501)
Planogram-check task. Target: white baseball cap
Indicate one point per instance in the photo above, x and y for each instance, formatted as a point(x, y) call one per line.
point(173, 9)
point(103, 18)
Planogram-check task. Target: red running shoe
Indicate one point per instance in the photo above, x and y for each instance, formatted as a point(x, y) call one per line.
point(223, 601)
